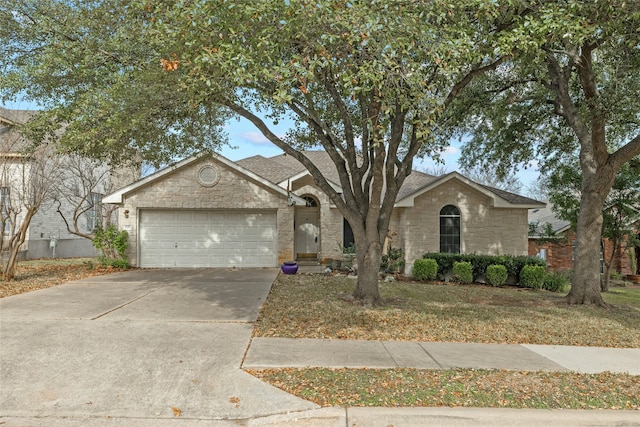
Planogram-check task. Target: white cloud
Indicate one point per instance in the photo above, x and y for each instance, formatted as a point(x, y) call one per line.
point(254, 138)
point(451, 151)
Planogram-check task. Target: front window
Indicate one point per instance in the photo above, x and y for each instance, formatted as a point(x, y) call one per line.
point(348, 240)
point(93, 214)
point(450, 229)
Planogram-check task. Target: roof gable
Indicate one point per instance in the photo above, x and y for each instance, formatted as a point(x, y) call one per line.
point(117, 197)
point(500, 198)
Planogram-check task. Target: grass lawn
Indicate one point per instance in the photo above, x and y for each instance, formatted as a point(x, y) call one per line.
point(318, 306)
point(44, 273)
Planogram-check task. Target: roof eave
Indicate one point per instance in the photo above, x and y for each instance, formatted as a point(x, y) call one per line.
point(117, 197)
point(498, 202)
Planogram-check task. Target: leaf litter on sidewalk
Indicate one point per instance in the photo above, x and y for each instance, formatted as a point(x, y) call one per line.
point(318, 306)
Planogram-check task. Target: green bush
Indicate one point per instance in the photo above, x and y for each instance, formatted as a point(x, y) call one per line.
point(392, 261)
point(112, 245)
point(556, 282)
point(479, 263)
point(496, 275)
point(111, 242)
point(532, 276)
point(615, 275)
point(114, 262)
point(463, 271)
point(425, 269)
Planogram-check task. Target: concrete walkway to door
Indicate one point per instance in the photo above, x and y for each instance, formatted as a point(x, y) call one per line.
point(142, 347)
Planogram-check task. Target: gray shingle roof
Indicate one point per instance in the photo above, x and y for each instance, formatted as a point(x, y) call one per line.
point(546, 215)
point(278, 168)
point(10, 140)
point(319, 158)
point(413, 183)
point(16, 116)
point(267, 168)
point(516, 199)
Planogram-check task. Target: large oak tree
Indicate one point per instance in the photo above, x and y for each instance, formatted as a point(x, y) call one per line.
point(371, 82)
point(572, 86)
point(368, 81)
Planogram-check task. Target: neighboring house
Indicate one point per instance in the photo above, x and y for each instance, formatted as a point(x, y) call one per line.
point(207, 211)
point(67, 178)
point(554, 241)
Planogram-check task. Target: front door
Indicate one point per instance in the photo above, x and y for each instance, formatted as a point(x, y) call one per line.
point(306, 239)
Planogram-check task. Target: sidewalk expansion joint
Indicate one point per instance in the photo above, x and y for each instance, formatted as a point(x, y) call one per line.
point(432, 358)
point(395, 362)
point(125, 304)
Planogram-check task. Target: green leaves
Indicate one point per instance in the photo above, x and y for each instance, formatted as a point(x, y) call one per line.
point(98, 70)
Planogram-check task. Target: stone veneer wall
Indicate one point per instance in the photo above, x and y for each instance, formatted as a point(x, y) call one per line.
point(181, 190)
point(484, 229)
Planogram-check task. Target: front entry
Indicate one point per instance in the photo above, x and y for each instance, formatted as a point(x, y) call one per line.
point(307, 230)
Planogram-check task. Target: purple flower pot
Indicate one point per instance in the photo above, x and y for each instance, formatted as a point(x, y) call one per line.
point(289, 267)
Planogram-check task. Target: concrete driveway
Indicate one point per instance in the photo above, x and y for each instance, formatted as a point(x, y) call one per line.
point(141, 346)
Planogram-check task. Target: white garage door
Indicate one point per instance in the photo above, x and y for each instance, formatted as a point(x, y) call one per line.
point(198, 238)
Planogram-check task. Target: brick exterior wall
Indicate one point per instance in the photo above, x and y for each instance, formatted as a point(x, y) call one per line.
point(559, 255)
point(182, 190)
point(484, 228)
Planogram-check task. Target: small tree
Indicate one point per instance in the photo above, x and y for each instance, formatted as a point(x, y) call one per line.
point(29, 182)
point(86, 181)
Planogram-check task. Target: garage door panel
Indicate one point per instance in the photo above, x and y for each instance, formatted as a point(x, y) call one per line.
point(199, 238)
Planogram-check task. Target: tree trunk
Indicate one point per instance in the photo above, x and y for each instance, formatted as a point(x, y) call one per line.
point(604, 283)
point(608, 263)
point(16, 242)
point(585, 283)
point(369, 260)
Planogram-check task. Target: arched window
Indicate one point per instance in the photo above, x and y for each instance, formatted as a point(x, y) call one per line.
point(310, 201)
point(450, 229)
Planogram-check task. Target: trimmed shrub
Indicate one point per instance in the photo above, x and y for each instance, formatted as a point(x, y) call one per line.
point(425, 269)
point(463, 271)
point(496, 275)
point(114, 262)
point(393, 261)
point(532, 276)
point(556, 282)
point(479, 263)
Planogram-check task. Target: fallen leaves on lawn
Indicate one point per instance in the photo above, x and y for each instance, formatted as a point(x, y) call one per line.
point(313, 306)
point(41, 274)
point(459, 387)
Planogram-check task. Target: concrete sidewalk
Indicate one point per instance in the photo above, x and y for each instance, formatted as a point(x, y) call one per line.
point(300, 353)
point(164, 348)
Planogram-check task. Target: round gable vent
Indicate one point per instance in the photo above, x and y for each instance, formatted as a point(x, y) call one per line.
point(208, 175)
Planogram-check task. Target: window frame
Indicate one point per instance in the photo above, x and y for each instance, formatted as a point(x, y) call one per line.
point(449, 242)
